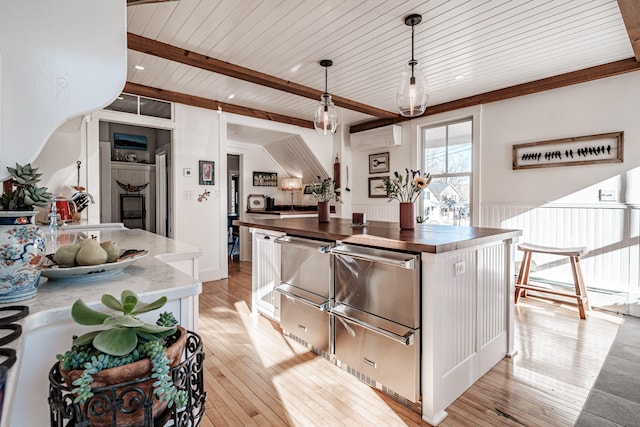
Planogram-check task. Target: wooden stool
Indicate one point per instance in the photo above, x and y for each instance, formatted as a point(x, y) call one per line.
point(522, 283)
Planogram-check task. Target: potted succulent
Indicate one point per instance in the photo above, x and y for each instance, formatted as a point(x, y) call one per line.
point(324, 190)
point(22, 244)
point(122, 349)
point(25, 194)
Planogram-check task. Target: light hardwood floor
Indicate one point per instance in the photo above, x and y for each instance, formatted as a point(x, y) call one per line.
point(256, 377)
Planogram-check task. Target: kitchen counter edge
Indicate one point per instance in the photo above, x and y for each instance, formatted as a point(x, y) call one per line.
point(429, 238)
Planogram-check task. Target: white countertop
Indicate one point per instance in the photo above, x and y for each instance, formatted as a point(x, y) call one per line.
point(150, 277)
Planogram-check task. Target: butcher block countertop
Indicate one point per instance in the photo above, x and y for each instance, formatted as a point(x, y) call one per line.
point(430, 238)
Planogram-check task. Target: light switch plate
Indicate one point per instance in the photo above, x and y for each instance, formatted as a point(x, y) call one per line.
point(186, 172)
point(607, 195)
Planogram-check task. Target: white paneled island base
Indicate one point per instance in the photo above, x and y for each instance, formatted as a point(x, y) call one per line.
point(467, 284)
point(467, 320)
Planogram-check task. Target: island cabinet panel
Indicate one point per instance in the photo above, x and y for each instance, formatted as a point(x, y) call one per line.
point(466, 320)
point(265, 273)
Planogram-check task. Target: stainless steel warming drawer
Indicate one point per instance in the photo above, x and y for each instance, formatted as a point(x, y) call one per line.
point(306, 289)
point(382, 350)
point(377, 315)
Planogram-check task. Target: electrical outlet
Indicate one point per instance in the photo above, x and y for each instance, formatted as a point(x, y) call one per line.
point(459, 268)
point(187, 195)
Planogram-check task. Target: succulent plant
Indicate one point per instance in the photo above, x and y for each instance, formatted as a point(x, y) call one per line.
point(26, 193)
point(124, 339)
point(122, 331)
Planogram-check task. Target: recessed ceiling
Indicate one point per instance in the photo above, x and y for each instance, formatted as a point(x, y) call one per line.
point(465, 47)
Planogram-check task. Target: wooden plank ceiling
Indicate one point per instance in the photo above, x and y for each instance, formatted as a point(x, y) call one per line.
point(261, 58)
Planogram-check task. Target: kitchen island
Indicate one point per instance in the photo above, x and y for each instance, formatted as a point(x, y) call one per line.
point(465, 308)
point(48, 328)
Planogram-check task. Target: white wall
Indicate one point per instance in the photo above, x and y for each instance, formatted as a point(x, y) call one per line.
point(51, 68)
point(255, 158)
point(400, 157)
point(560, 206)
point(197, 137)
point(606, 105)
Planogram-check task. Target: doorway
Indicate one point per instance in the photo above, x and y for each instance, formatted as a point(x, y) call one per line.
point(143, 171)
point(233, 206)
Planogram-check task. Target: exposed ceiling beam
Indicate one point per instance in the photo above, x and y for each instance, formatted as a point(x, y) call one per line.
point(630, 10)
point(196, 101)
point(183, 56)
point(561, 80)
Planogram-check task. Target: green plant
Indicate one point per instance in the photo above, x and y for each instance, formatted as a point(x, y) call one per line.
point(26, 193)
point(124, 339)
point(324, 190)
point(406, 188)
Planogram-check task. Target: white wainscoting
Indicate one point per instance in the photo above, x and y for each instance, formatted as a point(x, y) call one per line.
point(610, 232)
point(379, 212)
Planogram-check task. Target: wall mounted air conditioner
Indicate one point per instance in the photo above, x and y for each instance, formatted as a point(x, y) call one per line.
point(372, 139)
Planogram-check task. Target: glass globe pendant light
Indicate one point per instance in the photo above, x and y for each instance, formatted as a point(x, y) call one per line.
point(412, 94)
point(326, 118)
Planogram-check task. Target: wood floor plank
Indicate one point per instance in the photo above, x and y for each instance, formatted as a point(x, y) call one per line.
point(255, 376)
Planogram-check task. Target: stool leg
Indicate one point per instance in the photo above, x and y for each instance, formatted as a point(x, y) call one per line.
point(581, 289)
point(523, 276)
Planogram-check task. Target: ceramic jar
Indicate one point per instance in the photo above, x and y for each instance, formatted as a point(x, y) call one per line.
point(323, 211)
point(22, 251)
point(407, 216)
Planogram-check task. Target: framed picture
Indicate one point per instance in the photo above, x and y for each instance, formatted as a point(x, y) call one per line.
point(265, 179)
point(207, 173)
point(579, 150)
point(379, 163)
point(256, 202)
point(306, 189)
point(376, 187)
point(129, 142)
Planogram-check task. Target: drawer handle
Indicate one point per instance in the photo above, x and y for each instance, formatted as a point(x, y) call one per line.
point(304, 328)
point(322, 306)
point(369, 362)
point(409, 263)
point(301, 244)
point(406, 339)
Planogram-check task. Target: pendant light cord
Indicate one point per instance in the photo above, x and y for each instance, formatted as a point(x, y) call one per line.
point(326, 76)
point(413, 61)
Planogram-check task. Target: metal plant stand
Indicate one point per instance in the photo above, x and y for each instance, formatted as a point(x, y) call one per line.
point(107, 402)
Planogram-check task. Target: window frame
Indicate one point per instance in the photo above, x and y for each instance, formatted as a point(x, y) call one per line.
point(468, 114)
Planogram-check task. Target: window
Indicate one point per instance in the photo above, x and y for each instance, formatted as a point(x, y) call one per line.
point(448, 157)
point(141, 105)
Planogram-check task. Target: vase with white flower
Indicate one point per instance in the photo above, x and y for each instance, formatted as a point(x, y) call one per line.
point(406, 189)
point(324, 190)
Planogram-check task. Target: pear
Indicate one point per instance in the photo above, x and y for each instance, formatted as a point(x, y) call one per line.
point(91, 253)
point(113, 250)
point(65, 256)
